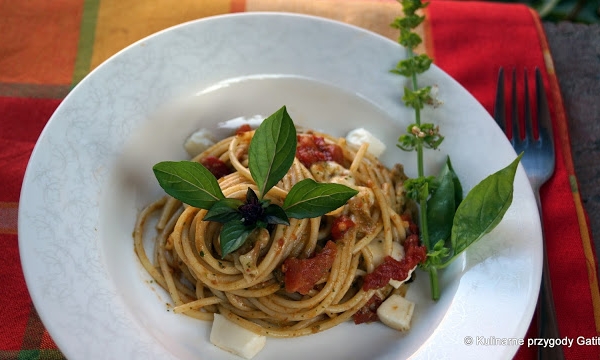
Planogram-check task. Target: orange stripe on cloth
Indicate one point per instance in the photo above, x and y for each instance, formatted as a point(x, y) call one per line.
point(8, 217)
point(563, 131)
point(47, 341)
point(373, 15)
point(121, 23)
point(237, 6)
point(39, 41)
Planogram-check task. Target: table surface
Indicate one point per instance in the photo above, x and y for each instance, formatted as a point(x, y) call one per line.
point(575, 50)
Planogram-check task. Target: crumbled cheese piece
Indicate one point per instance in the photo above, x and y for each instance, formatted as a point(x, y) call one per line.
point(377, 250)
point(199, 142)
point(396, 283)
point(396, 312)
point(359, 136)
point(232, 337)
point(330, 171)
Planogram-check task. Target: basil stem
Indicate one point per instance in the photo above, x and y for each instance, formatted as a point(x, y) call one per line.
point(433, 277)
point(448, 224)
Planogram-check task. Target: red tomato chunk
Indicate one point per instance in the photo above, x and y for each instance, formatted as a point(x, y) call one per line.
point(242, 129)
point(301, 275)
point(391, 268)
point(340, 226)
point(312, 148)
point(368, 313)
point(216, 166)
point(412, 227)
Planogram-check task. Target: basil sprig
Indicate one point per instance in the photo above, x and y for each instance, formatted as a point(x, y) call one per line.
point(453, 226)
point(448, 223)
point(270, 155)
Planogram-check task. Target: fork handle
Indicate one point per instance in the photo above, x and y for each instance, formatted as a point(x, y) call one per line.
point(546, 313)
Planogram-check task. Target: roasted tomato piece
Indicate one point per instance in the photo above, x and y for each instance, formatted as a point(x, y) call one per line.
point(412, 227)
point(216, 166)
point(368, 313)
point(332, 151)
point(391, 268)
point(301, 275)
point(243, 128)
point(312, 148)
point(340, 226)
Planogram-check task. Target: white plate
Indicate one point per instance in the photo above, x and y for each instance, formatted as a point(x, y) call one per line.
point(90, 173)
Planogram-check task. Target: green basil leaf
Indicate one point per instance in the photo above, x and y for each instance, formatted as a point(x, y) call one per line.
point(233, 235)
point(189, 182)
point(416, 98)
point(272, 150)
point(224, 210)
point(274, 214)
point(458, 190)
point(264, 203)
point(261, 224)
point(308, 198)
point(441, 208)
point(483, 207)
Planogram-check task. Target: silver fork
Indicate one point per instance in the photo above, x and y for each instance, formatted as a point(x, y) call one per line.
point(538, 161)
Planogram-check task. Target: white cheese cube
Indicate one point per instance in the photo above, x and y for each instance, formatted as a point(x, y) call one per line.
point(359, 136)
point(231, 337)
point(396, 312)
point(199, 142)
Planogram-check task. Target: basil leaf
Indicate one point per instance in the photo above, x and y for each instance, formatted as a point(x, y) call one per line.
point(189, 182)
point(274, 214)
point(416, 98)
point(308, 198)
point(272, 150)
point(233, 235)
point(483, 207)
point(251, 197)
point(458, 190)
point(441, 208)
point(224, 210)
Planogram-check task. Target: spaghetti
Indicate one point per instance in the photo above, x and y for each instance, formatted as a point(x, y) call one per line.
point(294, 280)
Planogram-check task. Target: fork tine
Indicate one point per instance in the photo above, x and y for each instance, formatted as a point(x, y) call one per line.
point(516, 133)
point(543, 111)
point(499, 104)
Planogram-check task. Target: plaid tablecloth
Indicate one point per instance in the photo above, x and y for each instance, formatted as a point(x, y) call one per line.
point(47, 47)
